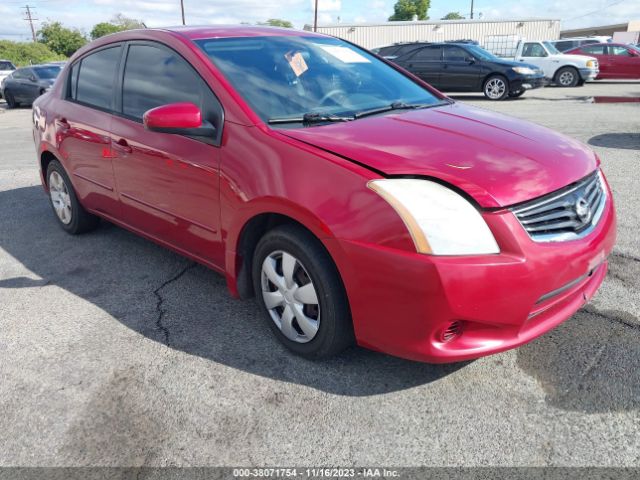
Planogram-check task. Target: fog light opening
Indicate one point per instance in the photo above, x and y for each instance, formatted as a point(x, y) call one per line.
point(453, 331)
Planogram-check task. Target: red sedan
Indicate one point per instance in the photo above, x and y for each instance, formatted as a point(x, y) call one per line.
point(357, 203)
point(615, 59)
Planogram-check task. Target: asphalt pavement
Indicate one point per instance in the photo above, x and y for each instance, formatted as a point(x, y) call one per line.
point(117, 352)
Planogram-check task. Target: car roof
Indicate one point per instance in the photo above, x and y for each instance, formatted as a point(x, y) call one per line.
point(222, 31)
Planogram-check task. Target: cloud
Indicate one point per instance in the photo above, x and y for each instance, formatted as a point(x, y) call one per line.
point(327, 5)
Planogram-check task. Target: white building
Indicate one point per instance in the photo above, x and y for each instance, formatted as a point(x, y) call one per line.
point(371, 35)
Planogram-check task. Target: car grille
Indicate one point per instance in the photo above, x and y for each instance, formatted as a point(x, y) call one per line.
point(566, 214)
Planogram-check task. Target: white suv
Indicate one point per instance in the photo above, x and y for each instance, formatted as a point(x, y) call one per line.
point(6, 69)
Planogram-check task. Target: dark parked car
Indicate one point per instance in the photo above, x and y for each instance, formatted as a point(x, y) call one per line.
point(464, 67)
point(26, 84)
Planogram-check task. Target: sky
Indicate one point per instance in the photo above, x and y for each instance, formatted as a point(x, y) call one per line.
point(84, 14)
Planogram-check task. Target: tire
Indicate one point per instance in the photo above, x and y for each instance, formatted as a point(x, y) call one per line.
point(496, 88)
point(517, 93)
point(11, 101)
point(325, 326)
point(581, 83)
point(63, 198)
point(567, 77)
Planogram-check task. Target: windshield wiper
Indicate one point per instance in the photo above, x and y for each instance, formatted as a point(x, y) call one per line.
point(309, 118)
point(399, 106)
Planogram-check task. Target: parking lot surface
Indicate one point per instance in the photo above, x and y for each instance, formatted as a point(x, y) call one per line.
point(114, 351)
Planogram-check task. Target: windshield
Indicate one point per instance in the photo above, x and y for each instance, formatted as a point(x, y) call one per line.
point(290, 76)
point(551, 48)
point(47, 73)
point(7, 66)
point(482, 54)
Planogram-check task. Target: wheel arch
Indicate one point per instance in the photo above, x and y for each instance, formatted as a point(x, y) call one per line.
point(494, 73)
point(242, 240)
point(46, 157)
point(562, 67)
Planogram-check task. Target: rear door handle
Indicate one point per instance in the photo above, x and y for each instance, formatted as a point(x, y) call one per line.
point(123, 146)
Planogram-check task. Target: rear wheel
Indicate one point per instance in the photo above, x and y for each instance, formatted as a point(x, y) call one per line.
point(496, 87)
point(72, 217)
point(299, 289)
point(11, 101)
point(567, 77)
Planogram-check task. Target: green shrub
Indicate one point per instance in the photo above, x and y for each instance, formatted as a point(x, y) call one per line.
point(27, 53)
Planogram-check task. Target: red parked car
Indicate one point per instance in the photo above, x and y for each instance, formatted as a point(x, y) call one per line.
point(615, 59)
point(357, 203)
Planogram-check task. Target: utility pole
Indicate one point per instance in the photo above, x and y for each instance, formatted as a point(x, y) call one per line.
point(182, 9)
point(471, 9)
point(315, 18)
point(29, 18)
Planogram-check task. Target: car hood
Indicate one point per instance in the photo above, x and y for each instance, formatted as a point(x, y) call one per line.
point(510, 63)
point(498, 160)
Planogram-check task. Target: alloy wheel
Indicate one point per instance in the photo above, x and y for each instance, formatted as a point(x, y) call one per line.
point(495, 88)
point(566, 78)
point(290, 296)
point(60, 198)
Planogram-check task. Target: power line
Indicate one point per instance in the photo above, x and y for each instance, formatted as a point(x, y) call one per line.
point(595, 11)
point(29, 18)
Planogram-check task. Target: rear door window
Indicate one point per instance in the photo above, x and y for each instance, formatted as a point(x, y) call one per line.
point(97, 77)
point(593, 49)
point(428, 54)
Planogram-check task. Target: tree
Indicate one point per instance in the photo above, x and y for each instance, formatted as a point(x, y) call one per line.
point(103, 28)
point(453, 16)
point(406, 9)
point(61, 40)
point(126, 23)
point(27, 53)
point(118, 23)
point(277, 22)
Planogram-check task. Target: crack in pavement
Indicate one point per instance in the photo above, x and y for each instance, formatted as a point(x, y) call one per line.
point(625, 256)
point(160, 301)
point(604, 316)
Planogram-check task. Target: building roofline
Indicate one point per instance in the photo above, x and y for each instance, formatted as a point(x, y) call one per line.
point(434, 22)
point(596, 27)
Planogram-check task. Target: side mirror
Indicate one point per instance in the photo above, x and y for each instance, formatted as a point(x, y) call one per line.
point(178, 118)
point(32, 79)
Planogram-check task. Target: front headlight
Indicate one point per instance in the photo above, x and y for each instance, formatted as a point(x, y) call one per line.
point(591, 64)
point(440, 221)
point(524, 70)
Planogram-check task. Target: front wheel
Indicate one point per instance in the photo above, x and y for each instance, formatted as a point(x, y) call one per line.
point(72, 217)
point(567, 77)
point(300, 291)
point(496, 88)
point(11, 101)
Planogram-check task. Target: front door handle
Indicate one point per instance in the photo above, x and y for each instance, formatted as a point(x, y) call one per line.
point(123, 146)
